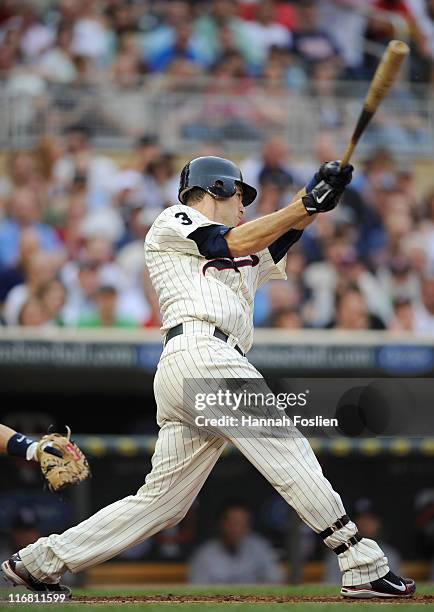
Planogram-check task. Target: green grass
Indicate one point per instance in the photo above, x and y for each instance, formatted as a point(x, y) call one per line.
point(284, 591)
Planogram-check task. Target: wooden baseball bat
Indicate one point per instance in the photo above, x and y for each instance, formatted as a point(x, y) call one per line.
point(382, 81)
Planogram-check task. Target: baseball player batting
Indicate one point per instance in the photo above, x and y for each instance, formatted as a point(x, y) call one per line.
point(206, 268)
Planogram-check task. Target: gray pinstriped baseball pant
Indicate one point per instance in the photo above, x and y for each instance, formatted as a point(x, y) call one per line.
point(183, 458)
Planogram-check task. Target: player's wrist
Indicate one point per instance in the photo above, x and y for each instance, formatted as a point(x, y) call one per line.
point(22, 446)
point(296, 210)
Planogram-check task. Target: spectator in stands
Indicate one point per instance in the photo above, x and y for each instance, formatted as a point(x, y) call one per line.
point(342, 270)
point(346, 23)
point(162, 33)
point(423, 55)
point(324, 149)
point(134, 230)
point(225, 112)
point(81, 160)
point(91, 38)
point(426, 226)
point(237, 555)
point(180, 47)
point(399, 280)
point(295, 76)
point(104, 226)
point(138, 300)
point(221, 26)
point(352, 312)
point(275, 297)
point(415, 248)
point(395, 15)
point(424, 312)
point(406, 183)
point(373, 185)
point(79, 103)
point(56, 64)
point(266, 31)
point(272, 96)
point(15, 275)
point(22, 171)
point(398, 222)
point(124, 17)
point(81, 283)
point(128, 69)
point(403, 316)
point(41, 269)
point(105, 315)
point(270, 168)
point(160, 183)
point(35, 36)
point(269, 199)
point(69, 226)
point(25, 211)
point(283, 13)
point(53, 297)
point(146, 151)
point(10, 54)
point(323, 84)
point(286, 318)
point(32, 313)
point(310, 41)
point(98, 250)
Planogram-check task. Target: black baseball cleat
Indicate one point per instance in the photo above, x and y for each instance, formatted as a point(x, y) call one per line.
point(390, 585)
point(14, 571)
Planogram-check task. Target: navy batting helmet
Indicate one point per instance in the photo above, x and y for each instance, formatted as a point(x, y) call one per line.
point(215, 175)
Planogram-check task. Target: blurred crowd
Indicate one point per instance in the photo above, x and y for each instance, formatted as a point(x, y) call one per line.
point(121, 66)
point(73, 42)
point(73, 221)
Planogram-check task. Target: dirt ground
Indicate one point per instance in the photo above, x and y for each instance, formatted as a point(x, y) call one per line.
point(153, 599)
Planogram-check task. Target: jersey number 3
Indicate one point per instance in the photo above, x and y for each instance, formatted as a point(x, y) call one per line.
point(185, 218)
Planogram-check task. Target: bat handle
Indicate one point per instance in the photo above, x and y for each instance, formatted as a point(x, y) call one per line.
point(347, 155)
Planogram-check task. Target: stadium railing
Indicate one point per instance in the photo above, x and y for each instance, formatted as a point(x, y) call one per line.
point(187, 115)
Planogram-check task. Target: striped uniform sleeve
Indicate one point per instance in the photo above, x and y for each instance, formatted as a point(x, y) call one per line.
point(185, 230)
point(272, 261)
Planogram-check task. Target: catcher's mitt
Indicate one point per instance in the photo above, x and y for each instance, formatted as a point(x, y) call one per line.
point(62, 463)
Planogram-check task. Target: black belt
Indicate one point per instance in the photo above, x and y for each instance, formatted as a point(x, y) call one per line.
point(178, 330)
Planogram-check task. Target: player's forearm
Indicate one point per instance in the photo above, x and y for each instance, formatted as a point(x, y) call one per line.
point(16, 444)
point(256, 235)
point(6, 434)
point(309, 219)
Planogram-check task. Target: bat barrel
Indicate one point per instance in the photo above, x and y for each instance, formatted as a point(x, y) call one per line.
point(382, 81)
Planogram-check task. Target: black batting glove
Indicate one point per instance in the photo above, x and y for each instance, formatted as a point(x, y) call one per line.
point(322, 198)
point(337, 177)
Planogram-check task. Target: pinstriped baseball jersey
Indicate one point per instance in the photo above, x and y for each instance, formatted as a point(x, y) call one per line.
point(191, 287)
